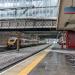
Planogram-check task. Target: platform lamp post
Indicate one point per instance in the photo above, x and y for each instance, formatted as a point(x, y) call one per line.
point(18, 41)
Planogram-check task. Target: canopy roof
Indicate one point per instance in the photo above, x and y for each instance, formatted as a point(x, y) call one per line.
point(10, 9)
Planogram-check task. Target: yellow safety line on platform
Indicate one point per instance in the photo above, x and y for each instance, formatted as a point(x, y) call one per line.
point(33, 64)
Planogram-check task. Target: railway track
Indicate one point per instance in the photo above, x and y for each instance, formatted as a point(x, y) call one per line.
point(11, 58)
point(26, 53)
point(53, 62)
point(3, 48)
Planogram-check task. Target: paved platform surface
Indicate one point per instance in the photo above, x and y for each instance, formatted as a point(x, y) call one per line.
point(54, 64)
point(10, 57)
point(26, 66)
point(46, 62)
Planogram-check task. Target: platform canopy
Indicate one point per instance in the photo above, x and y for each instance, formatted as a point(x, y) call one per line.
point(66, 19)
point(13, 9)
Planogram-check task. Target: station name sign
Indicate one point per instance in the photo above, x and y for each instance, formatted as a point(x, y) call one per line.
point(69, 10)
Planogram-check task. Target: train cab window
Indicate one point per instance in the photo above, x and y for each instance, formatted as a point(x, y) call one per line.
point(11, 40)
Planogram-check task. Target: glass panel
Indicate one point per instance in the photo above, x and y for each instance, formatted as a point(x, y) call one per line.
point(28, 9)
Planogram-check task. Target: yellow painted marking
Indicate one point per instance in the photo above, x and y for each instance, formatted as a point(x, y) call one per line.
point(33, 64)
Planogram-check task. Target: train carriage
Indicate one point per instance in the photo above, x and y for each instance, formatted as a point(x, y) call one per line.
point(12, 42)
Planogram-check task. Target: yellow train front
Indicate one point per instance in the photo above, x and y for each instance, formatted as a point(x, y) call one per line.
point(12, 42)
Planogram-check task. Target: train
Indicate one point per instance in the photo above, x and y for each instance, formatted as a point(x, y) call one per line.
point(13, 42)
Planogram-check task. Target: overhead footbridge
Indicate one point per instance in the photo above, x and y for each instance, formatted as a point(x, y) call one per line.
point(28, 24)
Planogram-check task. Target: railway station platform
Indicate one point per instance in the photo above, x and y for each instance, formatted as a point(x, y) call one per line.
point(11, 57)
point(31, 62)
point(45, 62)
point(54, 64)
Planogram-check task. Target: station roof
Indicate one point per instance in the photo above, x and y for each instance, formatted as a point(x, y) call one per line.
point(13, 9)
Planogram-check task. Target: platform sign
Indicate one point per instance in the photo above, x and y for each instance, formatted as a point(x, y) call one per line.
point(69, 10)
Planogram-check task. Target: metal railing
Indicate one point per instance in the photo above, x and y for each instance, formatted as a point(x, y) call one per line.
point(27, 23)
